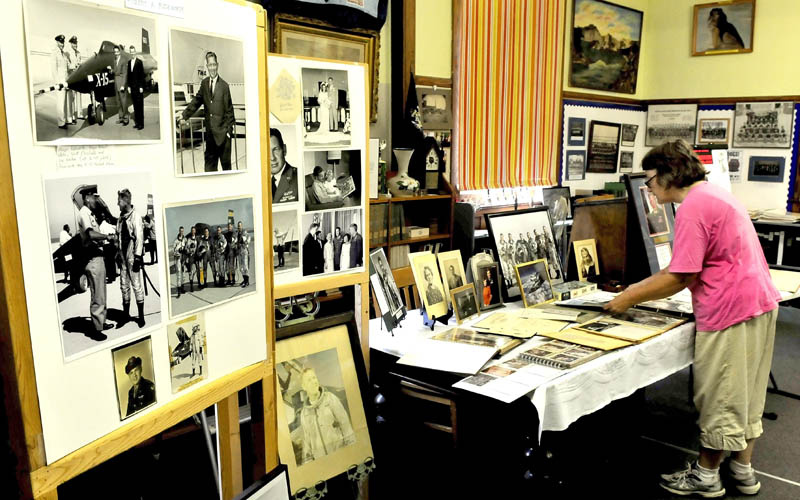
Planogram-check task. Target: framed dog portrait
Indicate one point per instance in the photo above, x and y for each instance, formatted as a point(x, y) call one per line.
point(723, 27)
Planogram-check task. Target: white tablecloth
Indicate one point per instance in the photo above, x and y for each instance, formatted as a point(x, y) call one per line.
point(582, 390)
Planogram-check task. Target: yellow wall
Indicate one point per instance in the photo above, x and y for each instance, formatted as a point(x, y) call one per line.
point(670, 71)
point(434, 38)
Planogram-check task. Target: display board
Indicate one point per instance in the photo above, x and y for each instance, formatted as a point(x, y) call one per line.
point(78, 395)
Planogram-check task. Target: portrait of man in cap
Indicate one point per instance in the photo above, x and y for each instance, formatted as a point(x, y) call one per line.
point(142, 392)
point(133, 371)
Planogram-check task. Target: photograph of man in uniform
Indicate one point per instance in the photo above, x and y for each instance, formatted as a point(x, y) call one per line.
point(284, 176)
point(134, 374)
point(108, 214)
point(657, 223)
point(230, 253)
point(388, 287)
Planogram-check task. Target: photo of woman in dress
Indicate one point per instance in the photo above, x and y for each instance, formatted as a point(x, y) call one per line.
point(587, 264)
point(326, 107)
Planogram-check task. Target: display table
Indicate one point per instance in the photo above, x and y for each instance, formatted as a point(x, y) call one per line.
point(580, 391)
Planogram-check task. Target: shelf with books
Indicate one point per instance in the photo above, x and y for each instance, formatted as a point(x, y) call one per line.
point(411, 241)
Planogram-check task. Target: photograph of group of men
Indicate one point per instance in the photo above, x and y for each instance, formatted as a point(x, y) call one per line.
point(210, 260)
point(333, 242)
point(90, 83)
point(100, 229)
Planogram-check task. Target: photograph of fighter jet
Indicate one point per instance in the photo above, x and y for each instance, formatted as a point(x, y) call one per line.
point(93, 73)
point(106, 280)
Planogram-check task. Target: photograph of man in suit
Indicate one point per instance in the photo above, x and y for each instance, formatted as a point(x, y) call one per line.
point(312, 252)
point(121, 84)
point(356, 247)
point(136, 88)
point(215, 99)
point(284, 176)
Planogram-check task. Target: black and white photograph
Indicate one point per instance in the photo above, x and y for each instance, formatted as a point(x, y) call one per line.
point(285, 158)
point(713, 130)
point(313, 389)
point(134, 377)
point(452, 268)
point(532, 277)
point(520, 237)
point(332, 241)
point(188, 351)
point(487, 286)
point(208, 96)
point(576, 131)
point(435, 108)
point(629, 132)
point(766, 168)
point(648, 318)
point(657, 222)
point(626, 161)
point(92, 82)
point(557, 199)
point(465, 302)
point(586, 261)
point(670, 122)
point(326, 107)
point(601, 155)
point(763, 124)
point(429, 283)
point(105, 258)
point(211, 253)
point(285, 241)
point(387, 288)
point(576, 165)
point(332, 179)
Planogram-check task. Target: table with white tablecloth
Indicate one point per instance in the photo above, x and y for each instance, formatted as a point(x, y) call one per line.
point(581, 390)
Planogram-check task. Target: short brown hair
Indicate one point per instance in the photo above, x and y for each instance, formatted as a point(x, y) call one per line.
point(675, 164)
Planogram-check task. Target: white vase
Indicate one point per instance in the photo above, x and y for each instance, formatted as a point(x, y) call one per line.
point(401, 184)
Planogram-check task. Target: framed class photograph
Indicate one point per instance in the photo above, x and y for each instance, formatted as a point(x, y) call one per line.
point(576, 165)
point(766, 168)
point(487, 286)
point(723, 27)
point(465, 302)
point(713, 130)
point(629, 132)
point(601, 156)
point(534, 282)
point(134, 376)
point(576, 131)
point(763, 124)
point(670, 122)
point(452, 267)
point(586, 260)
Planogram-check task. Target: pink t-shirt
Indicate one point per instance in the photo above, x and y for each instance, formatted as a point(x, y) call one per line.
point(715, 238)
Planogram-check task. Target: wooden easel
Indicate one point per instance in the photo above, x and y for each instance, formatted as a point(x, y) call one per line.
point(38, 480)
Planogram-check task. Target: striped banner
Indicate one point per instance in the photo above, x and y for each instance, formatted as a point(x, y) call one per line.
point(507, 118)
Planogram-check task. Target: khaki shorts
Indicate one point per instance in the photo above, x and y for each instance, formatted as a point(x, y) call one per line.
point(731, 371)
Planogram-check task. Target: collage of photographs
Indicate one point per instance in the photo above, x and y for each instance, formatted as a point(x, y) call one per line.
point(115, 265)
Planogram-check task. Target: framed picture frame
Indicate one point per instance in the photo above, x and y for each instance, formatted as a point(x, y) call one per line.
point(670, 122)
point(488, 286)
point(516, 237)
point(594, 20)
point(723, 27)
point(603, 150)
point(576, 165)
point(550, 197)
point(626, 161)
point(763, 124)
point(465, 302)
point(452, 268)
point(134, 374)
point(576, 131)
point(629, 132)
point(713, 130)
point(766, 168)
point(390, 302)
point(435, 107)
point(273, 486)
point(586, 261)
point(534, 283)
point(304, 36)
point(327, 362)
point(429, 283)
point(656, 221)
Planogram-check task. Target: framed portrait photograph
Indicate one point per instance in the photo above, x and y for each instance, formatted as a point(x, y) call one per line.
point(551, 196)
point(534, 281)
point(285, 241)
point(519, 237)
point(576, 165)
point(208, 96)
point(723, 27)
point(99, 302)
point(134, 376)
point(386, 291)
point(188, 352)
point(670, 122)
point(452, 267)
point(603, 148)
point(713, 130)
point(763, 124)
point(429, 283)
point(322, 423)
point(626, 161)
point(655, 221)
point(766, 168)
point(333, 242)
point(586, 260)
point(304, 36)
point(285, 160)
point(629, 132)
point(655, 213)
point(606, 40)
point(332, 179)
point(211, 250)
point(576, 131)
point(487, 286)
point(465, 302)
point(326, 108)
point(435, 107)
point(96, 83)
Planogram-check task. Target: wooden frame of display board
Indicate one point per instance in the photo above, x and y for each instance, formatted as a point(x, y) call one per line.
point(360, 279)
point(36, 478)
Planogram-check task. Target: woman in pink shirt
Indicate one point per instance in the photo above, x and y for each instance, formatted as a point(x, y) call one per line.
point(716, 254)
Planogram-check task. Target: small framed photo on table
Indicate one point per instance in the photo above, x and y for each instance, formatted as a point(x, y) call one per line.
point(534, 282)
point(465, 302)
point(487, 284)
point(586, 259)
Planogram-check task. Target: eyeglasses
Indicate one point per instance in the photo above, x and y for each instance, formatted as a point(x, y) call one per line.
point(648, 181)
